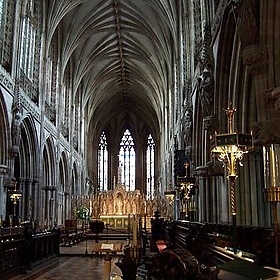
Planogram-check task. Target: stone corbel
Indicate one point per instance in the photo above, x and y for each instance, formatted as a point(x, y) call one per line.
point(266, 132)
point(256, 58)
point(276, 95)
point(201, 172)
point(215, 168)
point(4, 170)
point(210, 123)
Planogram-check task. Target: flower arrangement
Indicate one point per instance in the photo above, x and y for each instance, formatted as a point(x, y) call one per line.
point(82, 213)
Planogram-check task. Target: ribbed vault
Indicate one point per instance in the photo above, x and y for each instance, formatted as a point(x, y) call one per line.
point(121, 54)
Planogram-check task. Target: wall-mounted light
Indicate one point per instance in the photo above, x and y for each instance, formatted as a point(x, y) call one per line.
point(230, 149)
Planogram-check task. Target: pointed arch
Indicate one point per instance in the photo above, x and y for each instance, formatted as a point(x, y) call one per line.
point(48, 163)
point(26, 167)
point(63, 173)
point(62, 189)
point(75, 180)
point(103, 163)
point(4, 140)
point(126, 169)
point(28, 152)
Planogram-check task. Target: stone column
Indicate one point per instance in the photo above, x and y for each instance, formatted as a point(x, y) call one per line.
point(140, 166)
point(201, 172)
point(113, 167)
point(29, 199)
point(36, 201)
point(67, 207)
point(47, 206)
point(276, 96)
point(21, 187)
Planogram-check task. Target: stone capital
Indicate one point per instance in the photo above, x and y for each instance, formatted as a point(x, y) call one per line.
point(210, 123)
point(276, 95)
point(256, 58)
point(266, 132)
point(201, 172)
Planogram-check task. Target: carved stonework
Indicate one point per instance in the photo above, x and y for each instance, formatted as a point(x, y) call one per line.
point(247, 26)
point(210, 123)
point(201, 172)
point(215, 168)
point(276, 95)
point(188, 151)
point(16, 131)
point(197, 26)
point(220, 10)
point(188, 126)
point(118, 202)
point(4, 170)
point(256, 58)
point(266, 132)
point(206, 78)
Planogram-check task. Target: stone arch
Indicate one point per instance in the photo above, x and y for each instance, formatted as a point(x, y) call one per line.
point(63, 173)
point(26, 169)
point(3, 132)
point(49, 162)
point(48, 183)
point(28, 151)
point(4, 144)
point(75, 180)
point(62, 192)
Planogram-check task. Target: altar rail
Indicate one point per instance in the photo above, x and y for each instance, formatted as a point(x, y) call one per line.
point(214, 240)
point(20, 251)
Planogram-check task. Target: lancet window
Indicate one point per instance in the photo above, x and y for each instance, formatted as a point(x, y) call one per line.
point(103, 163)
point(51, 81)
point(150, 155)
point(30, 46)
point(126, 172)
point(1, 14)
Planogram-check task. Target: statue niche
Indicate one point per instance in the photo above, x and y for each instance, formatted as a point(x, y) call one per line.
point(119, 204)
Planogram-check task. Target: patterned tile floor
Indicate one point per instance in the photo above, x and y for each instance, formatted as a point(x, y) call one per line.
point(76, 262)
point(78, 268)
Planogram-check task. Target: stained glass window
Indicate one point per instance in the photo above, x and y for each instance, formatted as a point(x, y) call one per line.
point(126, 172)
point(103, 163)
point(27, 47)
point(150, 155)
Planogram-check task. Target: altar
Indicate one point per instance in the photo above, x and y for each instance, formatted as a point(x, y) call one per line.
point(118, 207)
point(118, 222)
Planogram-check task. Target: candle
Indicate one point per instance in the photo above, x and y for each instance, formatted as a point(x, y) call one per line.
point(272, 166)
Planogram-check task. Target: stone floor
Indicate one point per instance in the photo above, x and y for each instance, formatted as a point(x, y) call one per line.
point(79, 263)
point(75, 262)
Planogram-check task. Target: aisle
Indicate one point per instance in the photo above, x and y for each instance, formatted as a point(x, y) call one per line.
point(78, 268)
point(73, 263)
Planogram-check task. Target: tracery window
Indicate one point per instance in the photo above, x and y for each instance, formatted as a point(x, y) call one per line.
point(27, 47)
point(30, 47)
point(51, 80)
point(150, 156)
point(102, 163)
point(1, 14)
point(126, 171)
point(7, 21)
point(64, 105)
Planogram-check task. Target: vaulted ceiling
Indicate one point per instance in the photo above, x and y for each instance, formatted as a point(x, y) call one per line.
point(122, 52)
